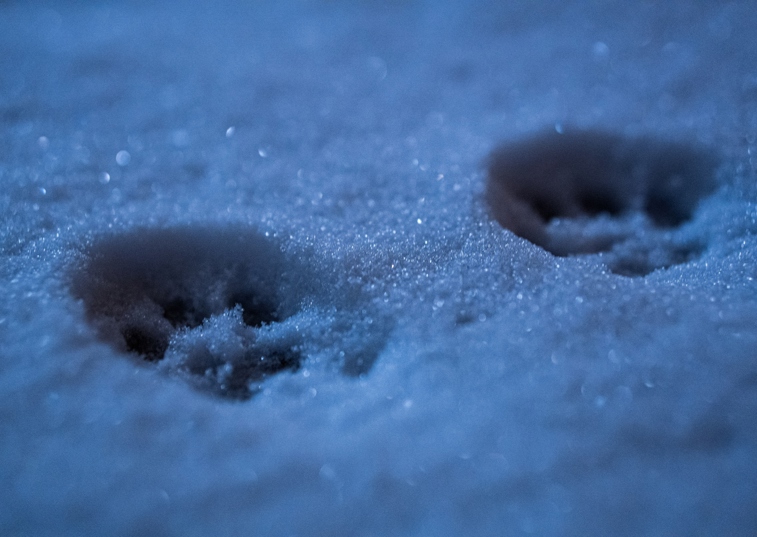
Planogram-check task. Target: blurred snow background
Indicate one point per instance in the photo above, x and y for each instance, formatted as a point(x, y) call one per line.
point(451, 378)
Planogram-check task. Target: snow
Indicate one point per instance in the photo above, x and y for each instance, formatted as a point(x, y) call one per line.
point(254, 280)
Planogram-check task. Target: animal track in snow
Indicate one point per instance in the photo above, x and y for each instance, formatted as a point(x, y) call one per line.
point(210, 304)
point(585, 191)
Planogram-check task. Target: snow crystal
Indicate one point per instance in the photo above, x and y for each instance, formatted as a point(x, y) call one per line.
point(123, 158)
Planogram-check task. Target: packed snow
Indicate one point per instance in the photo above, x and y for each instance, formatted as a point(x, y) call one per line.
point(378, 268)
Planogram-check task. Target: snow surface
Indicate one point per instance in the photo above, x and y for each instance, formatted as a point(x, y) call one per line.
point(283, 206)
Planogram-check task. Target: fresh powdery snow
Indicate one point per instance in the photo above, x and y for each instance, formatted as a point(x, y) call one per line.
point(378, 268)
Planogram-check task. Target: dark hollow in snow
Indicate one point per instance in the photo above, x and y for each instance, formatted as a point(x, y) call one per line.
point(144, 289)
point(577, 191)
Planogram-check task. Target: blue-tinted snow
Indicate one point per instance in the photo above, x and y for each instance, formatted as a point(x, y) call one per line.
point(506, 391)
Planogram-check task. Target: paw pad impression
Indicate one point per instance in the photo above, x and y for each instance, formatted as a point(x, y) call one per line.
point(584, 192)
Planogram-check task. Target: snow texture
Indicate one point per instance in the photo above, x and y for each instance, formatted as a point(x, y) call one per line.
point(378, 268)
